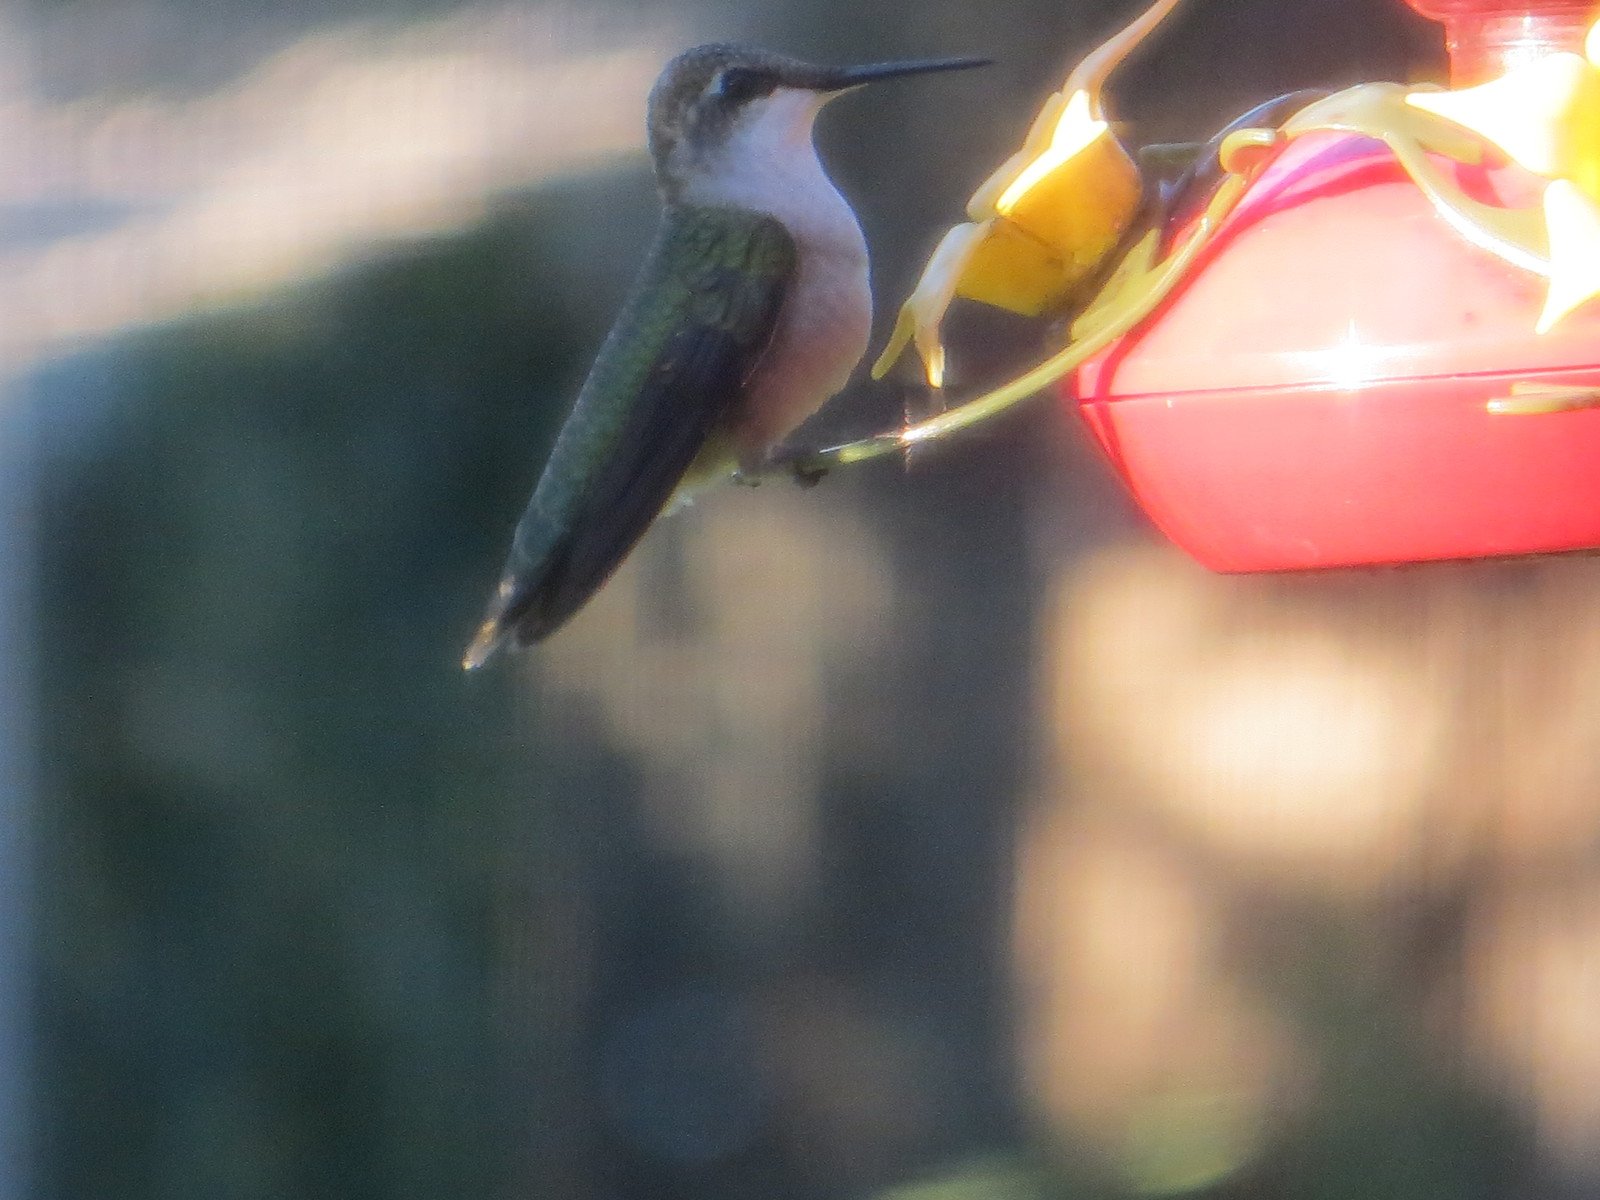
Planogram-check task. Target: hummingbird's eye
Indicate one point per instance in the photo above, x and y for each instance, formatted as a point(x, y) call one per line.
point(739, 84)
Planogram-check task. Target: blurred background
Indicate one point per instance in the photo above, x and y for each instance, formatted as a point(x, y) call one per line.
point(934, 833)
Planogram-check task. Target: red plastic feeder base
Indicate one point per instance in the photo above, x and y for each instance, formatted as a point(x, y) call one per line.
point(1317, 394)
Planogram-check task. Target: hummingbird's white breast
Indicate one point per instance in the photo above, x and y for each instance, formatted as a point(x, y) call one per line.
point(768, 164)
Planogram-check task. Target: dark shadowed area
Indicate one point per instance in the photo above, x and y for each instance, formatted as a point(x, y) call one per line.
point(936, 833)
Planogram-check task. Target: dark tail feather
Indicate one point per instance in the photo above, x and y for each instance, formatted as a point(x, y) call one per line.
point(484, 644)
point(495, 628)
point(530, 606)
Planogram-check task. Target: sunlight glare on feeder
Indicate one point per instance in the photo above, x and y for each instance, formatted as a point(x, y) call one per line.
point(1545, 115)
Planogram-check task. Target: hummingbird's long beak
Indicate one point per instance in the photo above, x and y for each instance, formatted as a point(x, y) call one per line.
point(839, 79)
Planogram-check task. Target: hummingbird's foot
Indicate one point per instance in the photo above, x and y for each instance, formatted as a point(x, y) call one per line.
point(800, 465)
point(806, 476)
point(918, 404)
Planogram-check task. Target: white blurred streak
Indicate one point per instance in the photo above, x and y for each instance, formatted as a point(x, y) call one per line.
point(345, 139)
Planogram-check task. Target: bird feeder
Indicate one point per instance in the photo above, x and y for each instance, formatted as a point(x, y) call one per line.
point(1362, 329)
point(1347, 378)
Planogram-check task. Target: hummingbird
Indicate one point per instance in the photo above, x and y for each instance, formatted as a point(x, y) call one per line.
point(751, 310)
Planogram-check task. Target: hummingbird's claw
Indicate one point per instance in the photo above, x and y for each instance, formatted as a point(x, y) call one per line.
point(807, 477)
point(799, 464)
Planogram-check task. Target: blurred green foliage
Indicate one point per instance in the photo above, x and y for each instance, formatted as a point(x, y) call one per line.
point(276, 821)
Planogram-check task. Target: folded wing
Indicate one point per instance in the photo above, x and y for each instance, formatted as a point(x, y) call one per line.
point(675, 364)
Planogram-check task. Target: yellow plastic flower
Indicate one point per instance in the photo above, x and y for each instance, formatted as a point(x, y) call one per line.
point(1041, 223)
point(1545, 115)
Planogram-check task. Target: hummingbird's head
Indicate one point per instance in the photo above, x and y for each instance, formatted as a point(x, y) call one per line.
point(712, 101)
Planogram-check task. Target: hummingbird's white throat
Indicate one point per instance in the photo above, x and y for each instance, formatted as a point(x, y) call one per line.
point(768, 164)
